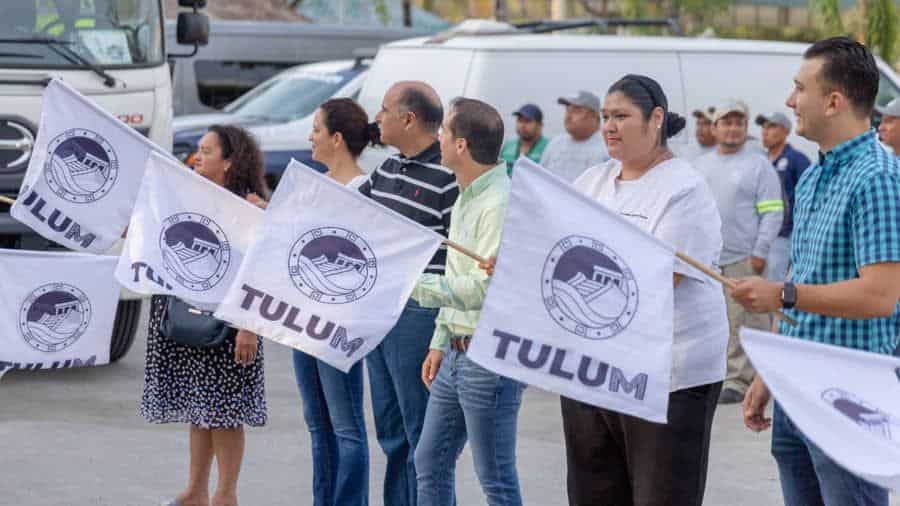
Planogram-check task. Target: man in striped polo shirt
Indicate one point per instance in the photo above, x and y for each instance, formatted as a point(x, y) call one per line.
point(415, 185)
point(845, 280)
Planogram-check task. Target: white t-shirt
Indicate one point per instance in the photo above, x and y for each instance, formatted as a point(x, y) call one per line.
point(674, 204)
point(568, 158)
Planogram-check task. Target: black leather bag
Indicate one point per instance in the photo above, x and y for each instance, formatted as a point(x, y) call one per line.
point(189, 326)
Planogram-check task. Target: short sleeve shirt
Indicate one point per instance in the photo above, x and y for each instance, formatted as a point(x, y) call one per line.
point(510, 152)
point(846, 216)
point(568, 158)
point(673, 203)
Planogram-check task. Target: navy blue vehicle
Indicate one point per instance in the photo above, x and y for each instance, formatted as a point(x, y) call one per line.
point(279, 112)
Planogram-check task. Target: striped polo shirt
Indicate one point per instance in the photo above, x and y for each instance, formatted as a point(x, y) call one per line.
point(846, 216)
point(421, 189)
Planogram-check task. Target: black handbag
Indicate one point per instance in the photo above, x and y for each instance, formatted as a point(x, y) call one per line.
point(189, 326)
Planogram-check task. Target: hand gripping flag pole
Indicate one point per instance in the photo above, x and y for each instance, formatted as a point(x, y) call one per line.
point(684, 258)
point(725, 281)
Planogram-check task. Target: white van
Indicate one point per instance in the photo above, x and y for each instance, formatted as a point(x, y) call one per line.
point(509, 70)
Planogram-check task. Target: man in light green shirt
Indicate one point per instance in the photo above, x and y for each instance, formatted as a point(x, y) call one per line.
point(467, 402)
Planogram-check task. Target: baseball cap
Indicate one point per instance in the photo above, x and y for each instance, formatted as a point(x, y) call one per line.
point(729, 107)
point(891, 109)
point(707, 113)
point(530, 112)
point(776, 117)
point(583, 99)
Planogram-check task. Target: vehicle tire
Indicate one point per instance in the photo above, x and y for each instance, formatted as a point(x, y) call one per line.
point(124, 328)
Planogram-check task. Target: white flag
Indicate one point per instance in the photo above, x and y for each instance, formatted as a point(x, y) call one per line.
point(581, 301)
point(330, 270)
point(56, 309)
point(84, 173)
point(846, 401)
point(187, 236)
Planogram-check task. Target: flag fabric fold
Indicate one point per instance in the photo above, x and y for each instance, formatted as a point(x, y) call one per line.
point(845, 401)
point(84, 173)
point(581, 302)
point(56, 309)
point(330, 270)
point(187, 236)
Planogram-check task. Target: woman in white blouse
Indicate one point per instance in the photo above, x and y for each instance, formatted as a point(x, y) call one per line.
point(619, 459)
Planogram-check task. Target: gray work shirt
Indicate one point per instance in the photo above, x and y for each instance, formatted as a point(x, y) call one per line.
point(748, 193)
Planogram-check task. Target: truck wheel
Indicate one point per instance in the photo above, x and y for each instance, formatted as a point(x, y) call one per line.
point(124, 328)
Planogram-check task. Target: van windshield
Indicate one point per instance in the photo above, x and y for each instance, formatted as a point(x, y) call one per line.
point(78, 33)
point(292, 95)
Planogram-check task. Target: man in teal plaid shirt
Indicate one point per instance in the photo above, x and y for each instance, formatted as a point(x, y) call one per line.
point(845, 283)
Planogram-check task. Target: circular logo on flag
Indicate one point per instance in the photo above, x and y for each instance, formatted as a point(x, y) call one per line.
point(332, 265)
point(859, 411)
point(81, 166)
point(194, 250)
point(588, 289)
point(54, 316)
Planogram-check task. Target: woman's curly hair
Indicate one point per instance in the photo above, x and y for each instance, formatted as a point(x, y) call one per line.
point(245, 175)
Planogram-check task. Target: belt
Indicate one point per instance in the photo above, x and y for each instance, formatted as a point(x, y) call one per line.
point(460, 343)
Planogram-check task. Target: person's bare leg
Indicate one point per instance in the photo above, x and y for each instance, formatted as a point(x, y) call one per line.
point(197, 492)
point(228, 446)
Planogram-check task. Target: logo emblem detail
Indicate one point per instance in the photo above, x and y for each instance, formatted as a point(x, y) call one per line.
point(859, 411)
point(332, 265)
point(81, 166)
point(54, 316)
point(195, 250)
point(588, 289)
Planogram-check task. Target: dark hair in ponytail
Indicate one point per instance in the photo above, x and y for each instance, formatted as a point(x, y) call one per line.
point(647, 95)
point(345, 116)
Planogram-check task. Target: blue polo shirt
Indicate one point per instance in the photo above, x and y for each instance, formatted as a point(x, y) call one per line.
point(847, 216)
point(789, 165)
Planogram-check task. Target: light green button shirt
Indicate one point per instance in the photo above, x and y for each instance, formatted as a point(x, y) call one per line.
point(475, 223)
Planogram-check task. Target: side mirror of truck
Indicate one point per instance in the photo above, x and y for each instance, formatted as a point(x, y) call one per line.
point(192, 28)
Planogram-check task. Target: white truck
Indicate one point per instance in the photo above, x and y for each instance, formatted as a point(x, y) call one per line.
point(112, 51)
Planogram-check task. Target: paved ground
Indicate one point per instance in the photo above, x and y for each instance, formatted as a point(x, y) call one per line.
point(74, 437)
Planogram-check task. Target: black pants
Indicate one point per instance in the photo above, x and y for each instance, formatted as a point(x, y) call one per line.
point(619, 460)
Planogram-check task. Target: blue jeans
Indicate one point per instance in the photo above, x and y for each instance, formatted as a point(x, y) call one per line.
point(811, 478)
point(399, 398)
point(469, 402)
point(779, 260)
point(333, 410)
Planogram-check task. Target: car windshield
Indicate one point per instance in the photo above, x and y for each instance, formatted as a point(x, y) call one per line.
point(292, 95)
point(78, 33)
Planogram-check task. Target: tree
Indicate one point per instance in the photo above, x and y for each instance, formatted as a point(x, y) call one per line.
point(702, 11)
point(501, 12)
point(880, 23)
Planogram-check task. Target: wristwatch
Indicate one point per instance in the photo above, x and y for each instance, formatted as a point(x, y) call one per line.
point(788, 295)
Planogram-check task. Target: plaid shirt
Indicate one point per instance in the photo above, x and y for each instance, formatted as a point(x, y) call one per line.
point(847, 216)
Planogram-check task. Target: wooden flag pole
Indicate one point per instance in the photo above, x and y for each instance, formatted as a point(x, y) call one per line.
point(681, 256)
point(725, 281)
point(465, 251)
point(7, 200)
